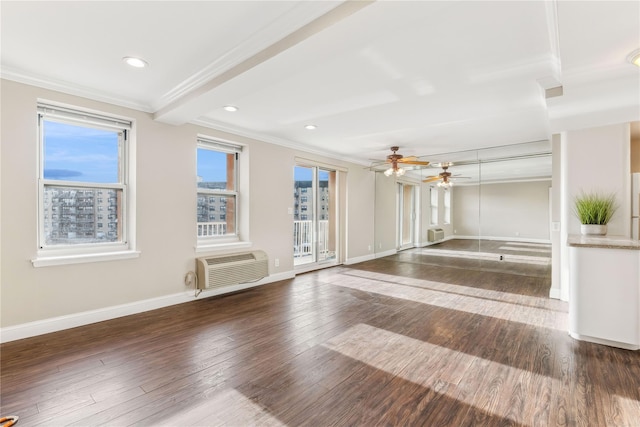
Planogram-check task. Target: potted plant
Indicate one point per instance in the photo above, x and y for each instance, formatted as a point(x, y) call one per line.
point(594, 212)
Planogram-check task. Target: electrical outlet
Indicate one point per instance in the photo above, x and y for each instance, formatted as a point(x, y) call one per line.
point(189, 279)
point(369, 248)
point(277, 262)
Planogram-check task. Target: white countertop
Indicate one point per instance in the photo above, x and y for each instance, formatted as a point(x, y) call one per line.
point(604, 242)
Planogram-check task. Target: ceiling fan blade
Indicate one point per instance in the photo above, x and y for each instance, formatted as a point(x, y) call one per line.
point(413, 162)
point(433, 178)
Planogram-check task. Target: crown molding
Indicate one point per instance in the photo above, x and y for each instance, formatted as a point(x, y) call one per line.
point(194, 102)
point(71, 89)
point(297, 17)
point(212, 124)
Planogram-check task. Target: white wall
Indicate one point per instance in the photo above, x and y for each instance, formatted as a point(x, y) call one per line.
point(515, 210)
point(466, 215)
point(556, 218)
point(594, 159)
point(385, 215)
point(166, 216)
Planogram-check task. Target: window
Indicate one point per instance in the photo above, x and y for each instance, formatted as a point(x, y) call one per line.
point(82, 155)
point(217, 169)
point(447, 205)
point(433, 196)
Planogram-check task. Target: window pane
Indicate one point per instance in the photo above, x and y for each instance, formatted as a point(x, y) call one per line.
point(71, 215)
point(79, 153)
point(224, 208)
point(216, 170)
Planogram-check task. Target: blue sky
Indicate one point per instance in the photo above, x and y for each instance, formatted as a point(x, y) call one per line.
point(212, 165)
point(305, 174)
point(85, 154)
point(77, 153)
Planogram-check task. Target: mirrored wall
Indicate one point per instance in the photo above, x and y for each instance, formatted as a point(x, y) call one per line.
point(473, 201)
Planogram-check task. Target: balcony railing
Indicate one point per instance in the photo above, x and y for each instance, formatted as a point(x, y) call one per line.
point(303, 239)
point(206, 229)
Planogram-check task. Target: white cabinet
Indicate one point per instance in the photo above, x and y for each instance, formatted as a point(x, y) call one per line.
point(604, 298)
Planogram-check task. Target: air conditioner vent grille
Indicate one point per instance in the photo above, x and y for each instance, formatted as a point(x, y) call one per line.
point(231, 269)
point(231, 258)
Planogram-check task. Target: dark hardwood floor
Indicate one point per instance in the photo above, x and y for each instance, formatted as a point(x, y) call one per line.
point(412, 339)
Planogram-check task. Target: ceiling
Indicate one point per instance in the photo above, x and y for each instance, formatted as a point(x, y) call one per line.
point(428, 76)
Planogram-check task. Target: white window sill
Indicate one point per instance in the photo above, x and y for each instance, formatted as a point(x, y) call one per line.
point(48, 260)
point(211, 247)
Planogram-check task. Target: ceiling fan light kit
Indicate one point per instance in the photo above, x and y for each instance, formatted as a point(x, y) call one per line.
point(397, 171)
point(634, 57)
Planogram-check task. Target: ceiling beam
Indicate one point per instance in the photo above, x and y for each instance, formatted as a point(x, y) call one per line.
point(195, 103)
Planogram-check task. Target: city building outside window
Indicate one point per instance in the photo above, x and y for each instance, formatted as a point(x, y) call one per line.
point(217, 170)
point(83, 155)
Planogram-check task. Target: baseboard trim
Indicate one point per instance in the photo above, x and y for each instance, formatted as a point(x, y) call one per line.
point(54, 324)
point(386, 253)
point(618, 344)
point(505, 239)
point(359, 259)
point(554, 293)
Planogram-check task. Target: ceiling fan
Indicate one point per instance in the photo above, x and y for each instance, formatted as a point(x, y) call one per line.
point(396, 161)
point(444, 177)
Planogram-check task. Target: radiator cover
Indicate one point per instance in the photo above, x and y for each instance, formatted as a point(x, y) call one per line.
point(435, 234)
point(231, 269)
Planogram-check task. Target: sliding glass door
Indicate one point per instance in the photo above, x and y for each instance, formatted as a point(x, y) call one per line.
point(406, 215)
point(314, 219)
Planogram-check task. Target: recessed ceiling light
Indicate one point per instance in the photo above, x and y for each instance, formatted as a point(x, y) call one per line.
point(310, 127)
point(135, 62)
point(634, 57)
point(230, 108)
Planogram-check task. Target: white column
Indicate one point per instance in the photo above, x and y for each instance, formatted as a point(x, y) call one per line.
point(593, 159)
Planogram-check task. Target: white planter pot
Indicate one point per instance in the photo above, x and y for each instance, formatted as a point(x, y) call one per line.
point(593, 229)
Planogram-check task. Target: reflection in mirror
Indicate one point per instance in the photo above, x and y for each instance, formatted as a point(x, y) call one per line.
point(483, 204)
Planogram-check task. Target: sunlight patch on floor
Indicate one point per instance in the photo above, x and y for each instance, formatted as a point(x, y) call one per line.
point(224, 408)
point(522, 249)
point(429, 365)
point(541, 245)
point(488, 256)
point(629, 407)
point(511, 307)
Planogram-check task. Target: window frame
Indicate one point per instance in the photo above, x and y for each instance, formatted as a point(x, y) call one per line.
point(208, 143)
point(447, 206)
point(71, 253)
point(433, 205)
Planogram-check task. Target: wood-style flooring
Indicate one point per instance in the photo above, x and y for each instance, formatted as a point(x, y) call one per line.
point(412, 339)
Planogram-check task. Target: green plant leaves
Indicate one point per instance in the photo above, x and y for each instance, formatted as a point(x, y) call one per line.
point(594, 208)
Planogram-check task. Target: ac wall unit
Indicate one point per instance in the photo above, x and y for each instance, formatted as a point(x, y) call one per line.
point(435, 234)
point(231, 269)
